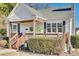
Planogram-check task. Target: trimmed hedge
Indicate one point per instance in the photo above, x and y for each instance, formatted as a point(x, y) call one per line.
point(46, 45)
point(75, 41)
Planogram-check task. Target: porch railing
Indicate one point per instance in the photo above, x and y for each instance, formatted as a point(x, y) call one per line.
point(13, 40)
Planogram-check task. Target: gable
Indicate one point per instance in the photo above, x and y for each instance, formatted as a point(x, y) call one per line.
point(20, 12)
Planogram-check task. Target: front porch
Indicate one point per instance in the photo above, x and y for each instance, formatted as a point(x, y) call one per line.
point(26, 27)
point(34, 27)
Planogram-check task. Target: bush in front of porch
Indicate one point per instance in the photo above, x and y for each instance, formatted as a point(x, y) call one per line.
point(46, 45)
point(75, 41)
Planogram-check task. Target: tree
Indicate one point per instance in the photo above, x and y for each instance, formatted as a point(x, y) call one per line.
point(5, 8)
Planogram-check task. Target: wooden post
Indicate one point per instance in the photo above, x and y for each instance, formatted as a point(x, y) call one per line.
point(17, 44)
point(34, 27)
point(10, 30)
point(69, 43)
point(65, 39)
point(10, 44)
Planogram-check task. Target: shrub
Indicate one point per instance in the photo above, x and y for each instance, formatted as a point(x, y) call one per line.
point(3, 43)
point(46, 45)
point(7, 39)
point(3, 32)
point(75, 41)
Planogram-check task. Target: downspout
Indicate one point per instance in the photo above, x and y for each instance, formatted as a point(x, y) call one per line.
point(69, 40)
point(72, 28)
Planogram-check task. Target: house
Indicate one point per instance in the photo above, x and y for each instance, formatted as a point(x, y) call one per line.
point(77, 31)
point(39, 19)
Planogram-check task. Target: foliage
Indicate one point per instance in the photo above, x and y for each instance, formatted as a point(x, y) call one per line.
point(75, 41)
point(7, 40)
point(5, 8)
point(3, 32)
point(47, 45)
point(38, 29)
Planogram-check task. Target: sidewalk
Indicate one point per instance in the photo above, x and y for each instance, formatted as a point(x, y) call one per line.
point(5, 51)
point(12, 52)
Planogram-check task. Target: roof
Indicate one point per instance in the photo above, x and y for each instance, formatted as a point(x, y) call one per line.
point(24, 12)
point(20, 13)
point(49, 14)
point(38, 6)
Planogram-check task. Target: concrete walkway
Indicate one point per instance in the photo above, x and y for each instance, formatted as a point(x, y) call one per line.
point(4, 51)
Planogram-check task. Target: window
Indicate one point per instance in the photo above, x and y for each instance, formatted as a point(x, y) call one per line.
point(31, 28)
point(14, 27)
point(26, 29)
point(53, 27)
point(48, 27)
point(59, 27)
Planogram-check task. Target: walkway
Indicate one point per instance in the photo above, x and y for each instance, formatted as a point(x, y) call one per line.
point(12, 52)
point(5, 51)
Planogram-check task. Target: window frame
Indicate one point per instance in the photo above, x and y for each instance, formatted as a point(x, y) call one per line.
point(60, 27)
point(54, 28)
point(46, 28)
point(14, 30)
point(57, 30)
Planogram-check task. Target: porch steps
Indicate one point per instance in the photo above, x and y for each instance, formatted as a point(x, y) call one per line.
point(16, 41)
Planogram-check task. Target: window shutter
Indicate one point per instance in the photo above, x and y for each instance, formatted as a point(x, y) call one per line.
point(63, 22)
point(18, 28)
point(44, 27)
point(64, 26)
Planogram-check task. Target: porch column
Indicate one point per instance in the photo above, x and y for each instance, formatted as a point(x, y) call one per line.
point(9, 32)
point(11, 29)
point(71, 27)
point(34, 27)
point(8, 29)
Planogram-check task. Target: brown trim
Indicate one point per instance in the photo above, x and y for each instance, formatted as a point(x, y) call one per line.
point(45, 33)
point(21, 21)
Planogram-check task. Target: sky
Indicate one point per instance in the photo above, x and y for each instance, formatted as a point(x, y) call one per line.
point(68, 4)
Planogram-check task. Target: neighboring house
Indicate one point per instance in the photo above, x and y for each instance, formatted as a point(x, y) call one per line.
point(40, 19)
point(77, 31)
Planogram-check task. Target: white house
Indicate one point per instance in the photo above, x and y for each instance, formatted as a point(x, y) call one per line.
point(39, 18)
